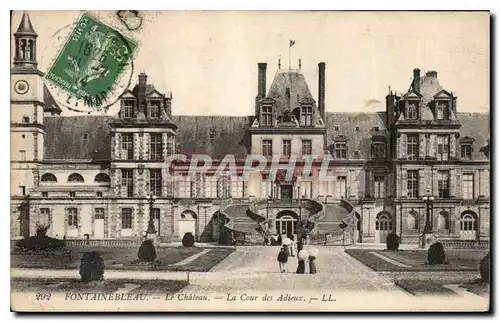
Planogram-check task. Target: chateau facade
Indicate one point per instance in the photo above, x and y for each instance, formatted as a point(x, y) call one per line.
point(93, 176)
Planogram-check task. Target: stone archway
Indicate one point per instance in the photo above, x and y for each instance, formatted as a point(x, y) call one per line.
point(287, 223)
point(187, 223)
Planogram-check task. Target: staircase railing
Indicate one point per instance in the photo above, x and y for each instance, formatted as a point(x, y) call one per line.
point(254, 207)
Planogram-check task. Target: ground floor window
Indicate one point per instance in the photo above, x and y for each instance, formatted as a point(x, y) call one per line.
point(126, 218)
point(286, 225)
point(72, 217)
point(468, 226)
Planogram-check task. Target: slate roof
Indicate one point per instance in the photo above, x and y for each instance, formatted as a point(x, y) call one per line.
point(25, 26)
point(77, 138)
point(216, 136)
point(296, 82)
point(50, 104)
point(357, 128)
point(476, 126)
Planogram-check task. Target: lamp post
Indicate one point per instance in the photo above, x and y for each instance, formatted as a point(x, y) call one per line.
point(427, 233)
point(151, 231)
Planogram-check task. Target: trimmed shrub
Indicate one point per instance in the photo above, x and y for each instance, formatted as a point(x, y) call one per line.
point(392, 241)
point(91, 267)
point(188, 240)
point(435, 254)
point(40, 243)
point(484, 268)
point(147, 251)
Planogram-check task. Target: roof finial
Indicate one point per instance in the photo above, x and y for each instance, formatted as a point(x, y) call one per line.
point(279, 62)
point(300, 63)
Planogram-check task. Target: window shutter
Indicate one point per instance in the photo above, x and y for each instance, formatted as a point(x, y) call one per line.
point(421, 183)
point(454, 189)
point(136, 142)
point(433, 145)
point(421, 146)
point(145, 146)
point(118, 146)
point(453, 146)
point(402, 146)
point(434, 190)
point(404, 184)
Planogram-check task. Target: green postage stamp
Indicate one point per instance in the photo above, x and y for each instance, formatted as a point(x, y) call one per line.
point(91, 62)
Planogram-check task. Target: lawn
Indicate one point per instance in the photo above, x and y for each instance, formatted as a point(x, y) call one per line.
point(107, 286)
point(123, 258)
point(426, 287)
point(437, 287)
point(456, 260)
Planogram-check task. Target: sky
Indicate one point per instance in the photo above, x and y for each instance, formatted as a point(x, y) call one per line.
point(209, 59)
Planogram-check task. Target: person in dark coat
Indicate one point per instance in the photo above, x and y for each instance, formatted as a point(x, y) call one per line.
point(282, 259)
point(300, 246)
point(313, 253)
point(280, 240)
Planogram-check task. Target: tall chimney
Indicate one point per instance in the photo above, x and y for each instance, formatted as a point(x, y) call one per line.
point(416, 80)
point(141, 93)
point(321, 91)
point(262, 80)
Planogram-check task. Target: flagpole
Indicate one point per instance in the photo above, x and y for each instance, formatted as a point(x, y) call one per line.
point(289, 56)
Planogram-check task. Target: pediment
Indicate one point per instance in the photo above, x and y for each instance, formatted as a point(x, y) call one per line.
point(128, 94)
point(154, 94)
point(412, 94)
point(443, 94)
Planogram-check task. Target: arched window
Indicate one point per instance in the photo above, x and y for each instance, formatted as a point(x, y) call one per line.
point(383, 222)
point(188, 215)
point(468, 222)
point(468, 225)
point(75, 177)
point(48, 177)
point(101, 177)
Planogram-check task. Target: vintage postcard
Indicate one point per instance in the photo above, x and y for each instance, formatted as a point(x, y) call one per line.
point(250, 161)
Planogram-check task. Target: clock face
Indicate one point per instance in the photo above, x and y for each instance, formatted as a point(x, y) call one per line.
point(21, 87)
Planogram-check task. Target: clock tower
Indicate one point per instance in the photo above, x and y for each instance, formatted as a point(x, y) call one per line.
point(27, 130)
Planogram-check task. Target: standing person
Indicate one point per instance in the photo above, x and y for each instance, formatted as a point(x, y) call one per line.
point(293, 246)
point(300, 246)
point(303, 254)
point(313, 253)
point(280, 240)
point(282, 259)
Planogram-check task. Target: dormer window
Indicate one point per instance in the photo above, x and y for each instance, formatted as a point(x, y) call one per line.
point(466, 147)
point(411, 111)
point(154, 109)
point(306, 116)
point(466, 151)
point(128, 109)
point(442, 111)
point(340, 150)
point(378, 150)
point(266, 117)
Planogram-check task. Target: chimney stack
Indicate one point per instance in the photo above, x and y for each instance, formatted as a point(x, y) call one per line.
point(416, 80)
point(321, 91)
point(141, 93)
point(262, 80)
